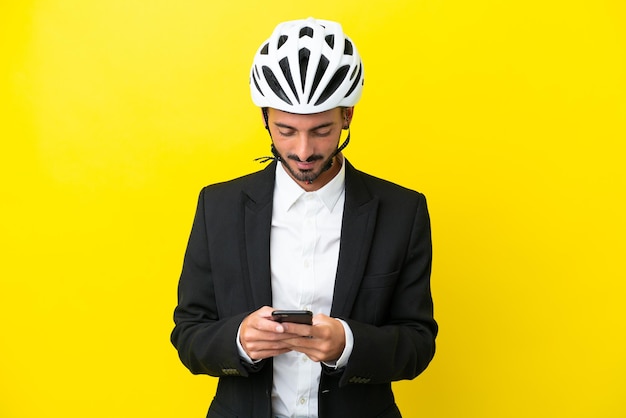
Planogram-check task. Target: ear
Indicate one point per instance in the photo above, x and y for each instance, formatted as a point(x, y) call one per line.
point(348, 113)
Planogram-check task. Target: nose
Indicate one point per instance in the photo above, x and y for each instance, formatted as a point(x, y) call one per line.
point(304, 148)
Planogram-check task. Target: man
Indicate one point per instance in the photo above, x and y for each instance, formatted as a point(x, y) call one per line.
point(308, 232)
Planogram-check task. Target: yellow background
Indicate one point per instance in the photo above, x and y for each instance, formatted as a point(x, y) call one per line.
point(509, 116)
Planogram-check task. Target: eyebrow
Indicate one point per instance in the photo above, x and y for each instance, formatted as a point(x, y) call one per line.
point(285, 126)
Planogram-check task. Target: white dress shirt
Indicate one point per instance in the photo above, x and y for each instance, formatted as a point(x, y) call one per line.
point(304, 251)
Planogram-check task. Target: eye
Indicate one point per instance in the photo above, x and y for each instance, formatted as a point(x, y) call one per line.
point(286, 132)
point(322, 133)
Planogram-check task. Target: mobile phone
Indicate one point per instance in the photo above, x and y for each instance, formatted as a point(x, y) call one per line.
point(297, 317)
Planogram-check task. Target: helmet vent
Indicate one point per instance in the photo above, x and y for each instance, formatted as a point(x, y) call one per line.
point(264, 49)
point(275, 85)
point(256, 84)
point(330, 40)
point(348, 50)
point(321, 69)
point(304, 63)
point(281, 41)
point(306, 31)
point(284, 66)
point(356, 81)
point(334, 84)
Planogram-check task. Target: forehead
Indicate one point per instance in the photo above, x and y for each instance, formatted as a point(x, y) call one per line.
point(308, 121)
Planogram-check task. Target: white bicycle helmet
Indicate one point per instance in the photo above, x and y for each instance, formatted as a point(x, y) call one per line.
point(307, 66)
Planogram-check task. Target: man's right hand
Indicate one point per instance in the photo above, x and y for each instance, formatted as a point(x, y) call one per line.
point(261, 337)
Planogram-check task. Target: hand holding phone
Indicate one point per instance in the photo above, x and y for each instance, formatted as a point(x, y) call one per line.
point(294, 316)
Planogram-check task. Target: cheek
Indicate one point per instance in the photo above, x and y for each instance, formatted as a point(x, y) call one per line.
point(280, 144)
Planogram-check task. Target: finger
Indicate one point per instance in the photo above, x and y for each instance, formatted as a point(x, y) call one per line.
point(301, 330)
point(263, 354)
point(262, 321)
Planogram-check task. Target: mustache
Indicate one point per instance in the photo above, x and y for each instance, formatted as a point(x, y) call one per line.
point(315, 157)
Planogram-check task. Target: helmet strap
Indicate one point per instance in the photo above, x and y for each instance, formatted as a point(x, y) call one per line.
point(266, 119)
point(275, 155)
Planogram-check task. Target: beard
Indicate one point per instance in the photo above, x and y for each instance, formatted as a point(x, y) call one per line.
point(307, 175)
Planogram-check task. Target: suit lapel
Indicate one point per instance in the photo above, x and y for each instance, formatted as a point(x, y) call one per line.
point(357, 230)
point(256, 203)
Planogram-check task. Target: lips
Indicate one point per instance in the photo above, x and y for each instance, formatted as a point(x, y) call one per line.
point(305, 166)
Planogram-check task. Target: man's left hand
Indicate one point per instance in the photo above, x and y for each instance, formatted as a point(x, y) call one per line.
point(323, 341)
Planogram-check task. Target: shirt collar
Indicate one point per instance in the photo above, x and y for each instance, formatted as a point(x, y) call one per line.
point(287, 191)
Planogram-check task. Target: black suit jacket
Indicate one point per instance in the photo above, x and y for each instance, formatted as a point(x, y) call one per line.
point(382, 290)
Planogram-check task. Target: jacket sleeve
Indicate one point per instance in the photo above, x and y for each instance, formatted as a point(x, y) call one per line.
point(205, 342)
point(402, 344)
